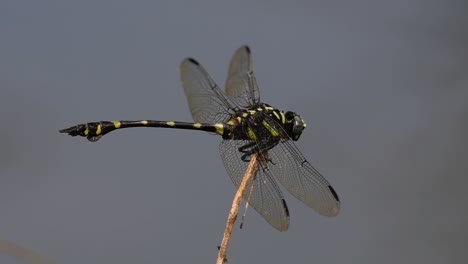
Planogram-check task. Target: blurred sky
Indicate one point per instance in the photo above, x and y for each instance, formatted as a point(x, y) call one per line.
point(382, 84)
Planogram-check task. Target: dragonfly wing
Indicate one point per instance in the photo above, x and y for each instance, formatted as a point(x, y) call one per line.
point(262, 191)
point(241, 85)
point(298, 176)
point(207, 102)
point(302, 180)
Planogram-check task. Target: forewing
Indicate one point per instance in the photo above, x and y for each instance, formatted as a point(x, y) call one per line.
point(302, 180)
point(207, 102)
point(241, 85)
point(266, 197)
point(298, 176)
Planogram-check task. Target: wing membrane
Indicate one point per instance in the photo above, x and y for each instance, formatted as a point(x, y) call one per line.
point(266, 197)
point(299, 177)
point(241, 85)
point(207, 102)
point(302, 180)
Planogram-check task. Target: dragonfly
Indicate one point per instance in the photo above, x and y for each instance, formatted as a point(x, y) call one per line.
point(247, 127)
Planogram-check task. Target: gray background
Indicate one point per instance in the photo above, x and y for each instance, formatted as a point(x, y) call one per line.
point(382, 84)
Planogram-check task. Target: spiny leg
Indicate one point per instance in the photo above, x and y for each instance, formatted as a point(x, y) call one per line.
point(254, 147)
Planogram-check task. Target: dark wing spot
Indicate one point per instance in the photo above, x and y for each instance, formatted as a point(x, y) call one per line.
point(192, 60)
point(333, 192)
point(247, 49)
point(286, 210)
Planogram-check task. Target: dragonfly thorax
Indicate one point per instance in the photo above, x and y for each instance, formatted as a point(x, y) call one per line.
point(265, 121)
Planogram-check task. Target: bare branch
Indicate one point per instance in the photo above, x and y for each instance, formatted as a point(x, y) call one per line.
point(251, 170)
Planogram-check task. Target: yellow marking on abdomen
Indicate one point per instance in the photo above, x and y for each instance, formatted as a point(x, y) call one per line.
point(268, 108)
point(273, 131)
point(144, 122)
point(117, 124)
point(245, 115)
point(197, 125)
point(239, 119)
point(230, 122)
point(219, 129)
point(86, 132)
point(98, 130)
point(252, 112)
point(170, 123)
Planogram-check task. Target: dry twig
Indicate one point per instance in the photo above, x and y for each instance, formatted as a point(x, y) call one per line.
point(251, 170)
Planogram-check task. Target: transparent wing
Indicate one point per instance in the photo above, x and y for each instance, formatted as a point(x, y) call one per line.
point(241, 85)
point(262, 192)
point(299, 177)
point(207, 102)
point(302, 180)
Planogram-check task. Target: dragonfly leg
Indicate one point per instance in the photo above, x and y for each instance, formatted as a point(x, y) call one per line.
point(254, 147)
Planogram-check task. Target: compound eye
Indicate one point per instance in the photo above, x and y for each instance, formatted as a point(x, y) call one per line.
point(289, 115)
point(298, 127)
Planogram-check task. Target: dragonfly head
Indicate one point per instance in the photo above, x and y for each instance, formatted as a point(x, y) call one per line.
point(294, 125)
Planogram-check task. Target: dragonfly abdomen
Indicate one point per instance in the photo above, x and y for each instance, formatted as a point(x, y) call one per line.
point(93, 131)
